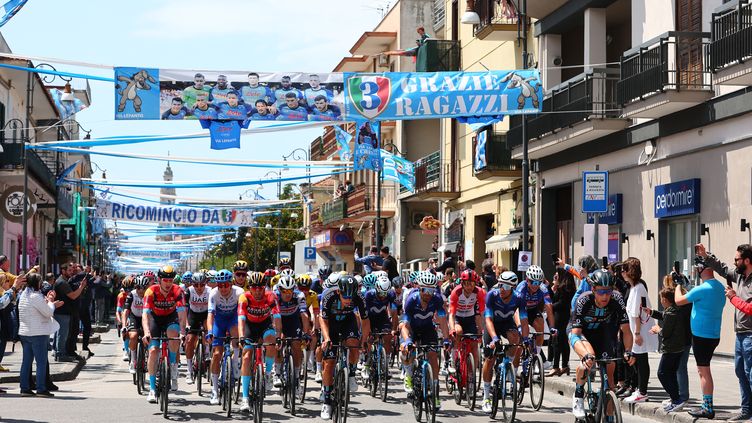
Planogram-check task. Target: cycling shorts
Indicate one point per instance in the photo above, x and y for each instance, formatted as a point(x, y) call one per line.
point(380, 323)
point(703, 348)
point(196, 321)
point(159, 325)
point(533, 314)
point(222, 325)
point(425, 336)
point(134, 324)
point(502, 329)
point(467, 324)
point(257, 331)
point(292, 327)
point(341, 331)
point(604, 341)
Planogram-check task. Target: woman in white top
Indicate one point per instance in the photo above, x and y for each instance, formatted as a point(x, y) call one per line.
point(35, 327)
point(644, 340)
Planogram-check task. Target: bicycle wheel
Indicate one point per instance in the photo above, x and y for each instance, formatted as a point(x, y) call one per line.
point(537, 382)
point(470, 381)
point(340, 395)
point(383, 368)
point(508, 394)
point(227, 386)
point(522, 385)
point(165, 387)
point(291, 383)
point(198, 369)
point(609, 405)
point(259, 388)
point(479, 371)
point(418, 394)
point(160, 384)
point(373, 377)
point(138, 365)
point(303, 381)
point(431, 394)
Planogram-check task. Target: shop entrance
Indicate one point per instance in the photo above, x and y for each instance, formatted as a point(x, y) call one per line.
point(677, 241)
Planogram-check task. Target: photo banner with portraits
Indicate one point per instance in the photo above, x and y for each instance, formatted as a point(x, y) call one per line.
point(367, 146)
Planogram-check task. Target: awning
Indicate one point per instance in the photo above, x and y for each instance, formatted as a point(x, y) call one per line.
point(449, 246)
point(503, 242)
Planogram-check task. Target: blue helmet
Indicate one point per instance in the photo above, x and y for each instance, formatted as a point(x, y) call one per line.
point(187, 277)
point(369, 281)
point(223, 276)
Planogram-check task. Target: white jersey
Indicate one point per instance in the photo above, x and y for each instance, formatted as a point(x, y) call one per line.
point(197, 303)
point(224, 307)
point(134, 303)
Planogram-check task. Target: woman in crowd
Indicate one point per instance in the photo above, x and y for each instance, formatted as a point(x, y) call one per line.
point(563, 290)
point(673, 280)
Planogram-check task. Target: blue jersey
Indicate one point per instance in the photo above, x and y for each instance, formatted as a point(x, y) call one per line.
point(379, 307)
point(298, 113)
point(224, 308)
point(499, 310)
point(331, 113)
point(310, 95)
point(422, 318)
point(219, 95)
point(167, 115)
point(252, 94)
point(295, 307)
point(239, 112)
point(280, 93)
point(255, 115)
point(533, 299)
point(209, 113)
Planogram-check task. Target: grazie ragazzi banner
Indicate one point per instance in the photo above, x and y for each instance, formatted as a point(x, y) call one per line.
point(142, 93)
point(194, 216)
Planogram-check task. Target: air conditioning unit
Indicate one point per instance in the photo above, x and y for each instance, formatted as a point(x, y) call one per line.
point(383, 61)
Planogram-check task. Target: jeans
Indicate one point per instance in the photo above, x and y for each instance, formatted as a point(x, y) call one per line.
point(743, 368)
point(560, 347)
point(73, 330)
point(682, 376)
point(100, 310)
point(61, 339)
point(667, 374)
point(34, 349)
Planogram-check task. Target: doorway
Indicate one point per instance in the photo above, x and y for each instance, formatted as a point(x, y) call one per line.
point(679, 236)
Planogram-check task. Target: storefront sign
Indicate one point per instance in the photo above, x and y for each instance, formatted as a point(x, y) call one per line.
point(613, 216)
point(677, 198)
point(594, 192)
point(334, 237)
point(67, 236)
point(11, 204)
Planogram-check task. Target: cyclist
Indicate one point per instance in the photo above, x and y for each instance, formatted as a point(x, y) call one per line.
point(424, 305)
point(295, 322)
point(284, 264)
point(164, 313)
point(329, 283)
point(466, 307)
point(197, 304)
point(120, 320)
point(268, 275)
point(151, 277)
point(240, 274)
point(536, 297)
point(132, 312)
point(597, 319)
point(324, 272)
point(304, 282)
point(381, 302)
point(504, 308)
point(259, 321)
point(210, 276)
point(222, 318)
point(339, 325)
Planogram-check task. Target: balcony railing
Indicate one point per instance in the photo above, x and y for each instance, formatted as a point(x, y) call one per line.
point(364, 198)
point(12, 158)
point(431, 174)
point(731, 36)
point(493, 12)
point(672, 61)
point(438, 56)
point(586, 96)
point(333, 211)
point(496, 157)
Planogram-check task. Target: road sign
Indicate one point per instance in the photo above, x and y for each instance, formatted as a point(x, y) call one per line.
point(524, 260)
point(594, 192)
point(309, 256)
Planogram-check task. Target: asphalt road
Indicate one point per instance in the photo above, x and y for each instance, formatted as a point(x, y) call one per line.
point(103, 392)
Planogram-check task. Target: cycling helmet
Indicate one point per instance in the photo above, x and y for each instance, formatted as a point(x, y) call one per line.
point(286, 282)
point(468, 275)
point(397, 282)
point(269, 274)
point(508, 278)
point(383, 285)
point(347, 286)
point(187, 277)
point(284, 262)
point(439, 276)
point(203, 271)
point(256, 279)
point(223, 276)
point(178, 279)
point(240, 266)
point(332, 280)
point(359, 279)
point(304, 280)
point(601, 277)
point(199, 277)
point(534, 273)
point(369, 280)
point(426, 280)
point(167, 272)
point(324, 272)
point(288, 272)
point(211, 276)
point(142, 282)
point(149, 274)
point(413, 275)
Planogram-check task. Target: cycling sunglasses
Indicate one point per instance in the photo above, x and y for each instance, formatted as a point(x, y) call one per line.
point(224, 285)
point(258, 287)
point(241, 275)
point(506, 287)
point(604, 291)
point(285, 291)
point(535, 283)
point(427, 290)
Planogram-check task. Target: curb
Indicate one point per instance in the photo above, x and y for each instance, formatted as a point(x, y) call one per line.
point(69, 374)
point(646, 410)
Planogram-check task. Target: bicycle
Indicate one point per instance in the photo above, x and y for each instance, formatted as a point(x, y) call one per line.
point(504, 384)
point(199, 361)
point(164, 378)
point(229, 380)
point(257, 391)
point(303, 377)
point(378, 379)
point(532, 373)
point(461, 382)
point(139, 378)
point(288, 376)
point(424, 393)
point(341, 389)
point(599, 404)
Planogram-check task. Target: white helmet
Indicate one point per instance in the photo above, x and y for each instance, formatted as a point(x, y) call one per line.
point(535, 273)
point(287, 272)
point(359, 279)
point(286, 282)
point(439, 276)
point(332, 280)
point(383, 285)
point(426, 280)
point(508, 278)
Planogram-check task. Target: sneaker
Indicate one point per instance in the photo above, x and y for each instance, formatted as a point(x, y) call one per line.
point(353, 385)
point(665, 403)
point(635, 398)
point(625, 392)
point(277, 382)
point(318, 377)
point(152, 398)
point(402, 374)
point(326, 412)
point(27, 393)
point(740, 417)
point(189, 380)
point(245, 405)
point(214, 398)
point(174, 377)
point(366, 371)
point(578, 408)
point(486, 406)
point(409, 384)
point(438, 403)
point(360, 365)
point(131, 368)
point(674, 408)
point(47, 394)
point(547, 365)
point(126, 356)
point(702, 413)
point(4, 369)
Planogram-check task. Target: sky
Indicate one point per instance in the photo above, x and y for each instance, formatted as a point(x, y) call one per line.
point(230, 35)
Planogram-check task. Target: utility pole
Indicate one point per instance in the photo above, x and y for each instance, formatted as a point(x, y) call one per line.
point(522, 18)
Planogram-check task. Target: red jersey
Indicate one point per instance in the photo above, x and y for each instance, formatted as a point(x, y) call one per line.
point(256, 311)
point(161, 304)
point(462, 305)
point(121, 300)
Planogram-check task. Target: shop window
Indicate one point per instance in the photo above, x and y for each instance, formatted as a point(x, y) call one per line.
point(681, 237)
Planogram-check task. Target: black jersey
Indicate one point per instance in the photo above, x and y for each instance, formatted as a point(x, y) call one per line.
point(588, 316)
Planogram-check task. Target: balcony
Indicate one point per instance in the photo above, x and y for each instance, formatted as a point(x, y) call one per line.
point(539, 9)
point(498, 22)
point(333, 211)
point(664, 75)
point(12, 159)
point(731, 44)
point(438, 56)
point(362, 202)
point(574, 112)
point(433, 180)
point(496, 160)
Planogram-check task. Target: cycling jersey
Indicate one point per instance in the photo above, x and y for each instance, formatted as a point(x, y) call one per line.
point(312, 299)
point(225, 308)
point(294, 307)
point(134, 303)
point(419, 317)
point(332, 307)
point(197, 303)
point(162, 304)
point(256, 311)
point(499, 310)
point(462, 305)
point(589, 316)
point(379, 309)
point(121, 301)
point(533, 299)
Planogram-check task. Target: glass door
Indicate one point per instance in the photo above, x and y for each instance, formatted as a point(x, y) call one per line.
point(681, 236)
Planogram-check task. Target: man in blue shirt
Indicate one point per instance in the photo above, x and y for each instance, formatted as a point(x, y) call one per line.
point(280, 94)
point(176, 111)
point(262, 111)
point(202, 109)
point(321, 110)
point(254, 92)
point(315, 90)
point(372, 258)
point(219, 92)
point(292, 110)
point(232, 109)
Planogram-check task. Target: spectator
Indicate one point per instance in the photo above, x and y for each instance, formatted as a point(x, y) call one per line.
point(685, 312)
point(673, 333)
point(77, 281)
point(6, 322)
point(644, 341)
point(36, 325)
point(84, 309)
point(101, 291)
point(707, 311)
point(489, 273)
point(390, 263)
point(349, 187)
point(563, 290)
point(470, 264)
point(64, 293)
point(8, 294)
point(448, 262)
point(49, 282)
point(370, 260)
point(742, 275)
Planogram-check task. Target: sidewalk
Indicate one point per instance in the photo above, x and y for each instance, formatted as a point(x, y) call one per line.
point(726, 397)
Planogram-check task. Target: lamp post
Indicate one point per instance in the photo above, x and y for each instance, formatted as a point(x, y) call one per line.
point(296, 155)
point(278, 174)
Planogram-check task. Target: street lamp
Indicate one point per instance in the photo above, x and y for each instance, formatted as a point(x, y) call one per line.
point(471, 16)
point(278, 174)
point(298, 154)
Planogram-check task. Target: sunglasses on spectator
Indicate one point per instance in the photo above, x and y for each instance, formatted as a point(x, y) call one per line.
point(224, 285)
point(604, 291)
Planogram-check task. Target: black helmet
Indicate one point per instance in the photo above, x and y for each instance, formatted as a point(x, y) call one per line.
point(324, 272)
point(167, 272)
point(588, 263)
point(348, 286)
point(601, 277)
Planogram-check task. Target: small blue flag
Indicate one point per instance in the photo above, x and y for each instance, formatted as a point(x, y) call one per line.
point(343, 143)
point(10, 8)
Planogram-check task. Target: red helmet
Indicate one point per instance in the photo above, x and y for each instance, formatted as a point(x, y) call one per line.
point(269, 274)
point(469, 275)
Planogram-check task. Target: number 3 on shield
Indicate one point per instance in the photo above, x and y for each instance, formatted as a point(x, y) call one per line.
point(370, 96)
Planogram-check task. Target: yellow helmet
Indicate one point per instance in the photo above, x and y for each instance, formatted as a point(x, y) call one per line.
point(167, 272)
point(240, 265)
point(304, 280)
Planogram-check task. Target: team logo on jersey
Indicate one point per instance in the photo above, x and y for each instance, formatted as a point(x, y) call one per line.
point(369, 94)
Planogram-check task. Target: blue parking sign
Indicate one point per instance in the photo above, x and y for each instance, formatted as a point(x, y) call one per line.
point(309, 254)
